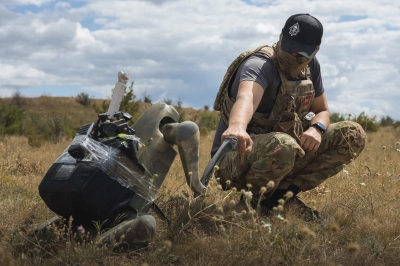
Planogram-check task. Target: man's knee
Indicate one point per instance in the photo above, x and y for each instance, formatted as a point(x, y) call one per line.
point(277, 145)
point(352, 135)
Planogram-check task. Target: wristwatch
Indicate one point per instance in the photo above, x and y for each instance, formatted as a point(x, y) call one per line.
point(319, 126)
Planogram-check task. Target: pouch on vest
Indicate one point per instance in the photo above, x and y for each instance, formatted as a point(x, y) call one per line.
point(290, 124)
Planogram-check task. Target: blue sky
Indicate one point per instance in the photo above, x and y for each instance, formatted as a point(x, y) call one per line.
point(180, 49)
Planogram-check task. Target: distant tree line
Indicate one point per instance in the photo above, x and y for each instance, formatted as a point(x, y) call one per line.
point(14, 120)
point(369, 123)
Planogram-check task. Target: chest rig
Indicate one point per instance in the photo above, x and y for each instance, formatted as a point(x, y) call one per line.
point(292, 103)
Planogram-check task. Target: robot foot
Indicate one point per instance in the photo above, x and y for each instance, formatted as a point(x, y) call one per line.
point(131, 233)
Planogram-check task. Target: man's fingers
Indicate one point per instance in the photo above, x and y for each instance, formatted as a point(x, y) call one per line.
point(302, 140)
point(242, 144)
point(311, 145)
point(245, 145)
point(248, 149)
point(316, 146)
point(249, 145)
point(305, 144)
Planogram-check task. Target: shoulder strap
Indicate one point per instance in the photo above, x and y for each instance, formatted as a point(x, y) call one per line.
point(230, 73)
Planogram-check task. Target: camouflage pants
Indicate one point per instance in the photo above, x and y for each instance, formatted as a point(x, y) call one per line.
point(277, 156)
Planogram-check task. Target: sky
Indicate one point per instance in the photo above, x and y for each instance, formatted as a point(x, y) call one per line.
point(180, 49)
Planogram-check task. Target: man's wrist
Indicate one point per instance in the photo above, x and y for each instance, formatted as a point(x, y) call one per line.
point(237, 124)
point(320, 127)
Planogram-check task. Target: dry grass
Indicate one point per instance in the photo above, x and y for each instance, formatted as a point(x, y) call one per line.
point(359, 206)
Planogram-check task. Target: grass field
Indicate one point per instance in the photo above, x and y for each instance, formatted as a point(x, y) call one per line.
point(359, 209)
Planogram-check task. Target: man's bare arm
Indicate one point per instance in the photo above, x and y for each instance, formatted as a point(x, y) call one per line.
point(247, 100)
point(321, 110)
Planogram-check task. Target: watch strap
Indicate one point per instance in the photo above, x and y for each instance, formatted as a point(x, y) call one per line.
point(321, 127)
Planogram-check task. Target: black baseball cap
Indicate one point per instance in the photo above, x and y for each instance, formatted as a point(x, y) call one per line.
point(301, 34)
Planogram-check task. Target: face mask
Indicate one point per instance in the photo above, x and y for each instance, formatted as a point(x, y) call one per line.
point(291, 66)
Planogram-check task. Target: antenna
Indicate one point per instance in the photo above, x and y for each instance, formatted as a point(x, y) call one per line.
point(118, 94)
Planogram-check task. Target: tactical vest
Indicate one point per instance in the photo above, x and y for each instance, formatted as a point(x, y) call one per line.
point(292, 103)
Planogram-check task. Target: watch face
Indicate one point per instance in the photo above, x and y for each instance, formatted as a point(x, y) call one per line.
point(320, 127)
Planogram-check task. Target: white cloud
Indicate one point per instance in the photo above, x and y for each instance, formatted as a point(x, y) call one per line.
point(62, 5)
point(20, 75)
point(181, 49)
point(83, 38)
point(338, 82)
point(26, 2)
point(329, 70)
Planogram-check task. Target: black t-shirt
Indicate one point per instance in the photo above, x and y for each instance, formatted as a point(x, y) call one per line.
point(260, 68)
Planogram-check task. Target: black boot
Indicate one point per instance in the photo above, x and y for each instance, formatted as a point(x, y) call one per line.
point(273, 201)
point(266, 205)
point(306, 213)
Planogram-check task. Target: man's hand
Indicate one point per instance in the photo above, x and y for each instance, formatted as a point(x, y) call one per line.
point(245, 142)
point(311, 139)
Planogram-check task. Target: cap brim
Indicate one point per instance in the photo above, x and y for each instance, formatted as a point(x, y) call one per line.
point(289, 45)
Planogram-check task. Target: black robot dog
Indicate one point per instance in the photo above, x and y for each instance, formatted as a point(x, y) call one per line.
point(111, 172)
